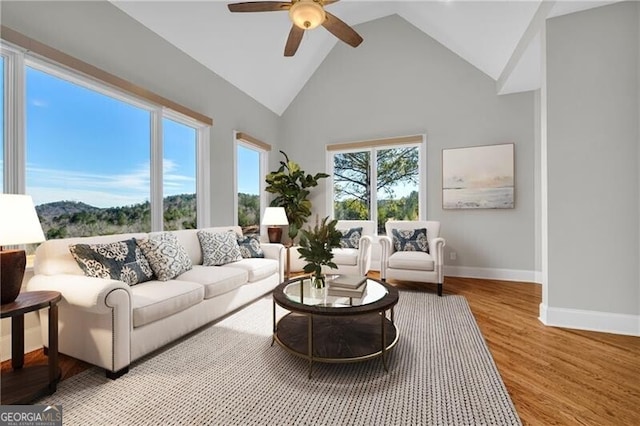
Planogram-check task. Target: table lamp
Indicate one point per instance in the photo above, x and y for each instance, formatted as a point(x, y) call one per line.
point(274, 217)
point(19, 224)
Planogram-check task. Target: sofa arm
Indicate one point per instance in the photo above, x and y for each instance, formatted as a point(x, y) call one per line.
point(364, 254)
point(275, 251)
point(436, 248)
point(86, 293)
point(387, 249)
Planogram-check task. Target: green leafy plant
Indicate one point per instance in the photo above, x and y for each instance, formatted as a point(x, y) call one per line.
point(291, 185)
point(316, 244)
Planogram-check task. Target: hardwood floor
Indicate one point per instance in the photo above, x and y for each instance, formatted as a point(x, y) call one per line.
point(554, 376)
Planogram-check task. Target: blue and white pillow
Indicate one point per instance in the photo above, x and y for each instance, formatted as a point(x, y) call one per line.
point(219, 248)
point(250, 246)
point(351, 238)
point(121, 260)
point(410, 240)
point(167, 257)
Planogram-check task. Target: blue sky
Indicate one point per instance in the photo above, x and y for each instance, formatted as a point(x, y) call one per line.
point(248, 170)
point(85, 146)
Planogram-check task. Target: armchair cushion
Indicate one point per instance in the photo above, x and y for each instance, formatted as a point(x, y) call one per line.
point(351, 238)
point(345, 256)
point(411, 260)
point(410, 240)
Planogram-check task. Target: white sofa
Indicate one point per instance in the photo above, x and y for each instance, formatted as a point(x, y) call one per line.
point(111, 324)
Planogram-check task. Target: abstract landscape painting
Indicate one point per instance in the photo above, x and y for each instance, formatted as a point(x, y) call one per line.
point(478, 177)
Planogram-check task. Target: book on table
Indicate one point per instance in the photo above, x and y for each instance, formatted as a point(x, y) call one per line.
point(347, 281)
point(338, 291)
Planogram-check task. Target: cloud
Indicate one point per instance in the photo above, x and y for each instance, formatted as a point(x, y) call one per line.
point(40, 103)
point(47, 185)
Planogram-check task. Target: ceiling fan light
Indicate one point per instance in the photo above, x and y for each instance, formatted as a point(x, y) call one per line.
point(307, 14)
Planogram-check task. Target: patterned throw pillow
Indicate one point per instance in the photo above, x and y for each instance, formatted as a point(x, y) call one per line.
point(410, 239)
point(121, 260)
point(351, 238)
point(167, 257)
point(250, 246)
point(219, 248)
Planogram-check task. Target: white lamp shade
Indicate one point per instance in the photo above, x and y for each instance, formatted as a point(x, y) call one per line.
point(274, 216)
point(19, 223)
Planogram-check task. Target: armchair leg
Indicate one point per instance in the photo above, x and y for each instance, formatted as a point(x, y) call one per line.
point(440, 289)
point(115, 374)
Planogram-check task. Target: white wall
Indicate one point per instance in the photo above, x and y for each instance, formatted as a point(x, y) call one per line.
point(593, 176)
point(401, 82)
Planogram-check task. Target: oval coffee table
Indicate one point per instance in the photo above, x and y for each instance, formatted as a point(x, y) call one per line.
point(332, 329)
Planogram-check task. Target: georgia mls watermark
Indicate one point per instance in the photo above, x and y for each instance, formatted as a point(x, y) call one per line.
point(30, 415)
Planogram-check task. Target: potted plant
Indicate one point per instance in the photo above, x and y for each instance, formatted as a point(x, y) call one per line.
point(291, 185)
point(316, 246)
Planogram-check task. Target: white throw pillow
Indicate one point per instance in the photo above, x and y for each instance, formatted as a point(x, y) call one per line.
point(167, 257)
point(219, 248)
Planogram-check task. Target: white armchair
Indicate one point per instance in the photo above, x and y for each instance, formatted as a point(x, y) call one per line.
point(413, 265)
point(354, 260)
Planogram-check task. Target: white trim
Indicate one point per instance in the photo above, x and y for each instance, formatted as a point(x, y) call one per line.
point(156, 175)
point(490, 273)
point(203, 177)
point(604, 322)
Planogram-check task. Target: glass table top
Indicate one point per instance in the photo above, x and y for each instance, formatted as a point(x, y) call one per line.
point(301, 291)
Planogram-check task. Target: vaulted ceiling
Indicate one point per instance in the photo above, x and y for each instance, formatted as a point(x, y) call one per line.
point(500, 38)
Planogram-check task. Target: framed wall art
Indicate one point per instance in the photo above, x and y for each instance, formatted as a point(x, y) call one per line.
point(479, 177)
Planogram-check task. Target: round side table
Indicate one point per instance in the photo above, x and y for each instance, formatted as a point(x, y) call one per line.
point(23, 385)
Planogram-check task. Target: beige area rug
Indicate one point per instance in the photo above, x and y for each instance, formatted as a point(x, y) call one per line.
point(440, 373)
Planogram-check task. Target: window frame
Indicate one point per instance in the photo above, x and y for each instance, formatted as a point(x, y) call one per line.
point(373, 147)
point(16, 61)
point(263, 151)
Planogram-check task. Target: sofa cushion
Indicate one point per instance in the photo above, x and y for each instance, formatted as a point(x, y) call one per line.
point(219, 248)
point(410, 240)
point(351, 238)
point(119, 260)
point(418, 260)
point(216, 279)
point(250, 246)
point(345, 256)
point(165, 254)
point(257, 268)
point(155, 300)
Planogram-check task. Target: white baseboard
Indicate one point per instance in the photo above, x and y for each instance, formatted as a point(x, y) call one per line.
point(605, 322)
point(493, 273)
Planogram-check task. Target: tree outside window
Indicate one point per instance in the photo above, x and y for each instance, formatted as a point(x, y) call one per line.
point(386, 177)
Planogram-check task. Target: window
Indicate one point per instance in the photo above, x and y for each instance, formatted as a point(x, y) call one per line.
point(179, 175)
point(379, 182)
point(87, 158)
point(97, 159)
point(251, 158)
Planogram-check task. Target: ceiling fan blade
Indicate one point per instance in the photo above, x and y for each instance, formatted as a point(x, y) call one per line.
point(341, 30)
point(295, 37)
point(259, 6)
point(328, 2)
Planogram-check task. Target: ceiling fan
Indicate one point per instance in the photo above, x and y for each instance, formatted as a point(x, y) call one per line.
point(305, 15)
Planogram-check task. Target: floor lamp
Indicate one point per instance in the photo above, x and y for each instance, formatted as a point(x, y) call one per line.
point(19, 224)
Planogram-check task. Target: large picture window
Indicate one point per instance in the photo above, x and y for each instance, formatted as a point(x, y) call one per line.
point(179, 175)
point(379, 182)
point(98, 160)
point(251, 160)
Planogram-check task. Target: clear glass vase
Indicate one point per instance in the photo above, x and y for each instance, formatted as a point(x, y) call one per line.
point(318, 281)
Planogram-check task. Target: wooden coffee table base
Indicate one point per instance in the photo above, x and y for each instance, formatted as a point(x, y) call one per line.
point(337, 339)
